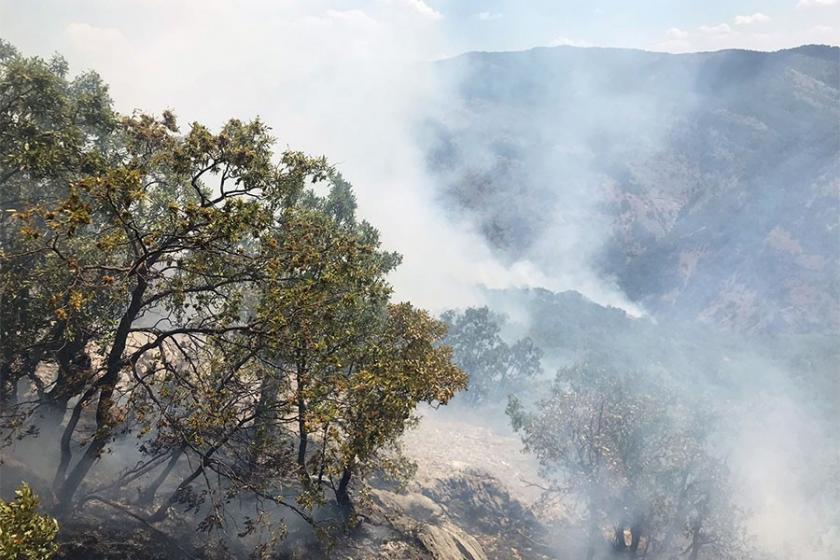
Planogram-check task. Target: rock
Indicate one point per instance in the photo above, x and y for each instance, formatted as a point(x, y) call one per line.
point(447, 542)
point(409, 525)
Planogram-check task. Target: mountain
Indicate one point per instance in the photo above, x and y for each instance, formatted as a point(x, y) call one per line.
point(706, 186)
point(700, 358)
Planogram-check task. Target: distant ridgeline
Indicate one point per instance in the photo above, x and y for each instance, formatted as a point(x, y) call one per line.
point(706, 184)
point(570, 329)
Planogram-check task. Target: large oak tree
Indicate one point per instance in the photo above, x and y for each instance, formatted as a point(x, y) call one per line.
point(214, 310)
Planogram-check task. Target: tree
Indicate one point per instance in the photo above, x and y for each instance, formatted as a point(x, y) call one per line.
point(635, 458)
point(495, 368)
point(403, 364)
point(52, 131)
point(349, 367)
point(147, 238)
point(217, 312)
point(24, 533)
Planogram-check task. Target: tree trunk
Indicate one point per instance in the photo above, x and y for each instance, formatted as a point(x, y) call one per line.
point(108, 383)
point(592, 539)
point(342, 495)
point(635, 538)
point(303, 433)
point(163, 510)
point(67, 440)
point(695, 544)
point(8, 386)
point(618, 539)
point(671, 532)
point(148, 495)
point(264, 429)
point(74, 372)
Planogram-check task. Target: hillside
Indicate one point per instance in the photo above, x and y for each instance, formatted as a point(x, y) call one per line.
point(705, 184)
point(206, 353)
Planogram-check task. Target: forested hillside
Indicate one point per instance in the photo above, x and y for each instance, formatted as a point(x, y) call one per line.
point(705, 184)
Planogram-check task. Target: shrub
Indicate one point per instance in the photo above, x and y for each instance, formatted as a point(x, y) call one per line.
point(24, 533)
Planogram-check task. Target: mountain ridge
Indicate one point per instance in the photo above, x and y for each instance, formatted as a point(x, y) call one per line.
point(710, 177)
point(824, 49)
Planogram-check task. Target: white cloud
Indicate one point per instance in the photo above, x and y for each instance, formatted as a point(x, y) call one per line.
point(566, 42)
point(356, 17)
point(488, 16)
point(418, 6)
point(757, 17)
point(715, 29)
point(676, 33)
point(815, 3)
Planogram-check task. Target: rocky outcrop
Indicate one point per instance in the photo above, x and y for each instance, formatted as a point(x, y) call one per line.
point(411, 525)
point(448, 542)
point(469, 516)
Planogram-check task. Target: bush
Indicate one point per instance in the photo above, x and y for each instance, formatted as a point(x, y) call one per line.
point(24, 534)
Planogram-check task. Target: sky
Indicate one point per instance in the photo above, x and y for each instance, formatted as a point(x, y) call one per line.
point(99, 32)
point(661, 25)
point(463, 25)
point(345, 79)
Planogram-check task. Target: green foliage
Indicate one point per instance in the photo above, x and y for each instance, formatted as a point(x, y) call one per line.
point(496, 368)
point(53, 130)
point(24, 533)
point(403, 364)
point(217, 304)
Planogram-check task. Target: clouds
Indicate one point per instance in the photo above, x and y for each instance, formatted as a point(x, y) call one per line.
point(418, 6)
point(704, 37)
point(488, 16)
point(739, 21)
point(357, 17)
point(715, 29)
point(757, 17)
point(755, 31)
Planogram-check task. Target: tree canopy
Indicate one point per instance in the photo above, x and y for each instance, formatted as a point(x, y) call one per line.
point(636, 460)
point(214, 310)
point(495, 367)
